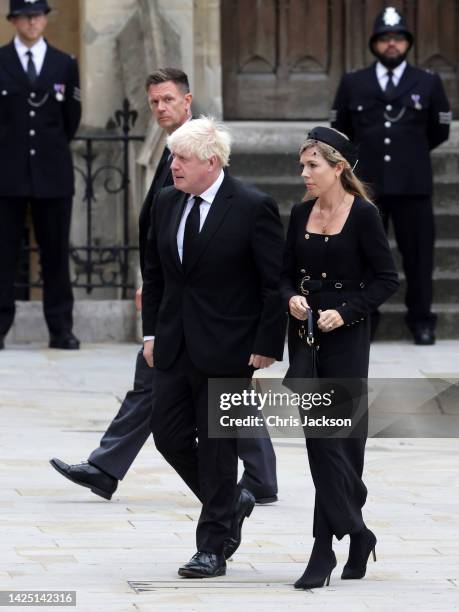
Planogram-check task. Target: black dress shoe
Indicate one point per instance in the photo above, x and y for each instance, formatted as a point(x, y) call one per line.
point(270, 499)
point(317, 572)
point(67, 342)
point(87, 475)
point(362, 544)
point(204, 565)
point(424, 336)
point(244, 507)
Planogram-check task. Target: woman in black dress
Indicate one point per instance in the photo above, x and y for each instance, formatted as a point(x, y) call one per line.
point(338, 253)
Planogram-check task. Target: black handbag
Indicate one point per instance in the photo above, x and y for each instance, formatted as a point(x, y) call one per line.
point(304, 363)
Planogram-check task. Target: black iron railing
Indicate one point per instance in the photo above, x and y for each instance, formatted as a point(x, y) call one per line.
point(95, 266)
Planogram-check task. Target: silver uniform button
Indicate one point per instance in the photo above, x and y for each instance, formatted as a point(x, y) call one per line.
point(32, 113)
point(32, 151)
point(33, 94)
point(4, 92)
point(387, 124)
point(389, 107)
point(306, 236)
point(32, 132)
point(326, 238)
point(360, 108)
point(324, 275)
point(387, 158)
point(387, 141)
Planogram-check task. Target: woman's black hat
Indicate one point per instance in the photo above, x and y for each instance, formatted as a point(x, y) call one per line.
point(337, 141)
point(390, 20)
point(28, 7)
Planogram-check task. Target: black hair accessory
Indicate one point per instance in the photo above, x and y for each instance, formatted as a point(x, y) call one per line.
point(337, 141)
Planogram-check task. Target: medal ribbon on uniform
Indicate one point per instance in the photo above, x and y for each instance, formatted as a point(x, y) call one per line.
point(417, 104)
point(59, 89)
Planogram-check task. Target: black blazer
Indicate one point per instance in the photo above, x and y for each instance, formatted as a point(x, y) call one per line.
point(37, 123)
point(162, 178)
point(227, 305)
point(394, 156)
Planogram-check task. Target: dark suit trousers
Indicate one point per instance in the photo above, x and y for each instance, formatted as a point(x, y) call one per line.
point(51, 221)
point(131, 427)
point(207, 465)
point(414, 229)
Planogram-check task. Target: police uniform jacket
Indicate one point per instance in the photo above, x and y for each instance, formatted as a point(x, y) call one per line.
point(37, 123)
point(394, 133)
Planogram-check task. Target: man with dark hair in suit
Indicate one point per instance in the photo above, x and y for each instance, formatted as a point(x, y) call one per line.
point(40, 111)
point(210, 308)
point(169, 98)
point(397, 114)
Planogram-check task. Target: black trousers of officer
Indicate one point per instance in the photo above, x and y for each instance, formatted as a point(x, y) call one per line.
point(336, 464)
point(131, 427)
point(51, 222)
point(414, 229)
point(209, 466)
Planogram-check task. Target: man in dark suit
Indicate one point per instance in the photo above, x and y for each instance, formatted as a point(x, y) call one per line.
point(210, 308)
point(397, 114)
point(170, 100)
point(40, 112)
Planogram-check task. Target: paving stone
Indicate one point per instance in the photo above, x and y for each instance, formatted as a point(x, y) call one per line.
point(124, 554)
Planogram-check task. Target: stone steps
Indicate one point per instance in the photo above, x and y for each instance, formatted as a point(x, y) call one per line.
point(392, 326)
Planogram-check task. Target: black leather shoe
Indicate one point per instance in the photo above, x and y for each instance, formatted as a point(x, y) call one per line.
point(87, 475)
point(424, 336)
point(67, 342)
point(270, 499)
point(317, 572)
point(362, 544)
point(244, 507)
point(204, 565)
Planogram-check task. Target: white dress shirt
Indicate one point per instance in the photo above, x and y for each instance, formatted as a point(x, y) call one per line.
point(38, 53)
point(383, 77)
point(208, 196)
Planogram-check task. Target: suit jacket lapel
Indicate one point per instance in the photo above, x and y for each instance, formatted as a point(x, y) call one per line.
point(374, 83)
point(408, 80)
point(175, 218)
point(163, 170)
point(220, 206)
point(13, 65)
point(47, 69)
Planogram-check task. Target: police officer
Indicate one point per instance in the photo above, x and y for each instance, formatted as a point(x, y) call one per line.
point(40, 112)
point(397, 114)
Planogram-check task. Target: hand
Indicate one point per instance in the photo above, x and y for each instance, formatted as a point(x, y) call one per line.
point(260, 361)
point(138, 299)
point(148, 352)
point(298, 307)
point(329, 320)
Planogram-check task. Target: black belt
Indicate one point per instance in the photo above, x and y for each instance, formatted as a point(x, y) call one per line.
point(308, 285)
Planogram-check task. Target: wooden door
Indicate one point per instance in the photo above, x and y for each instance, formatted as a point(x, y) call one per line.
point(282, 59)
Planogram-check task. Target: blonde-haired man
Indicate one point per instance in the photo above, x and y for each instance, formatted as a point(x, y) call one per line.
point(210, 308)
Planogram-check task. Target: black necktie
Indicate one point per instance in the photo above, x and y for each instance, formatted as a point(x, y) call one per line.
point(390, 87)
point(31, 70)
point(191, 233)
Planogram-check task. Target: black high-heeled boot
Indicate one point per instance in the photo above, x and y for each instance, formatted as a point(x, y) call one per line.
point(362, 544)
point(318, 571)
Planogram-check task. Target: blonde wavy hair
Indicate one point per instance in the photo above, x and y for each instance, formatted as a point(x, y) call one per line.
point(203, 137)
point(349, 181)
